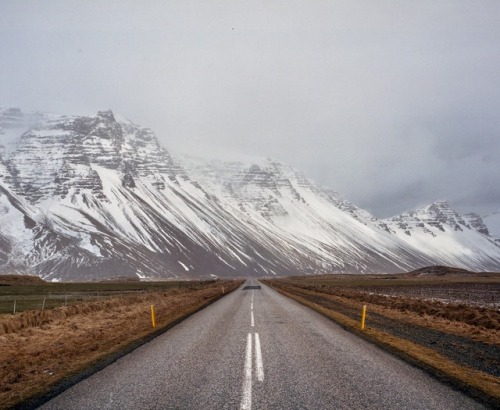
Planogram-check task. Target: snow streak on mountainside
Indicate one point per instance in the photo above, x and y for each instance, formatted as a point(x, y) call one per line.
point(97, 197)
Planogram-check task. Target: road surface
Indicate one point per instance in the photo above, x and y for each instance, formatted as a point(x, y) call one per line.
point(256, 349)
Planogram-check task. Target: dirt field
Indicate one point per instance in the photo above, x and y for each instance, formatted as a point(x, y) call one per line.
point(458, 341)
point(43, 351)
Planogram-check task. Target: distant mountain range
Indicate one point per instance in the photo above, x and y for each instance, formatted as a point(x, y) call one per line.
point(97, 197)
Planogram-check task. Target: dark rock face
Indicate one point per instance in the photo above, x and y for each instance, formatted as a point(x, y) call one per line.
point(58, 153)
point(476, 222)
point(128, 181)
point(5, 250)
point(441, 214)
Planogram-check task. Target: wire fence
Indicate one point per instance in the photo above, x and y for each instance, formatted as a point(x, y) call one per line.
point(12, 301)
point(20, 303)
point(481, 297)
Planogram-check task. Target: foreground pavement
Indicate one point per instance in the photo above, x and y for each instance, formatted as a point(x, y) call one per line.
point(256, 349)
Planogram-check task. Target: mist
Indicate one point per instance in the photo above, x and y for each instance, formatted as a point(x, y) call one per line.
point(392, 104)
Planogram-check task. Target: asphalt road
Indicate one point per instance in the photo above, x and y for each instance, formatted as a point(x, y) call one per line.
point(256, 349)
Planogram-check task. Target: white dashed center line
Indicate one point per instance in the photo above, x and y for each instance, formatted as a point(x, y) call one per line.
point(258, 359)
point(246, 399)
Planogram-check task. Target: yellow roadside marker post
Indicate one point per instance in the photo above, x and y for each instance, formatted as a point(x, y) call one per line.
point(153, 316)
point(363, 317)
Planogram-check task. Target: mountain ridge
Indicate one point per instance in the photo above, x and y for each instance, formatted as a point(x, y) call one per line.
point(92, 197)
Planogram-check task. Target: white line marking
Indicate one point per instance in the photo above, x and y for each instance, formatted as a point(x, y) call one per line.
point(252, 322)
point(252, 297)
point(251, 306)
point(246, 399)
point(258, 359)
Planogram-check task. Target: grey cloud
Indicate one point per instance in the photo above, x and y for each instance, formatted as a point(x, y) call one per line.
point(393, 104)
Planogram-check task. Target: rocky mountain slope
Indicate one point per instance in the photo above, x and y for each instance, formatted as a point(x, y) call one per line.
point(91, 197)
point(493, 222)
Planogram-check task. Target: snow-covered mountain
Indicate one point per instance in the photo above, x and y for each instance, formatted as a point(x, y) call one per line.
point(445, 235)
point(90, 197)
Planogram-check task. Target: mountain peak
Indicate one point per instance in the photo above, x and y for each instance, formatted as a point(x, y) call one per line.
point(107, 115)
point(438, 215)
point(441, 204)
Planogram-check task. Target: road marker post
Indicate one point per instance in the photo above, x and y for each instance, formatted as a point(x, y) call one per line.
point(153, 316)
point(363, 317)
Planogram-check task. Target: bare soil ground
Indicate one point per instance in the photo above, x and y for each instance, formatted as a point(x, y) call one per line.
point(43, 351)
point(456, 342)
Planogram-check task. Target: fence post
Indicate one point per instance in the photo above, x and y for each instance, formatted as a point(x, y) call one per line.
point(43, 304)
point(14, 306)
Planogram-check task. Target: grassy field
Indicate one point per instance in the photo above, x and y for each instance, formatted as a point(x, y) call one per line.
point(45, 351)
point(447, 324)
point(18, 293)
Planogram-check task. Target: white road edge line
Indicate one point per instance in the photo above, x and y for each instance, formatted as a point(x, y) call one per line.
point(258, 359)
point(251, 306)
point(252, 322)
point(246, 399)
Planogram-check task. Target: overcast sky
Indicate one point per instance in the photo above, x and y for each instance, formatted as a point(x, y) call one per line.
point(394, 104)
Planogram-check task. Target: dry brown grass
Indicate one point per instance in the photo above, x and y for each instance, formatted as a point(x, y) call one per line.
point(470, 321)
point(481, 385)
point(41, 350)
point(471, 315)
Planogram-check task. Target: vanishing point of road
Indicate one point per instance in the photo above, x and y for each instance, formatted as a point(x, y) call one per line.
point(256, 349)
